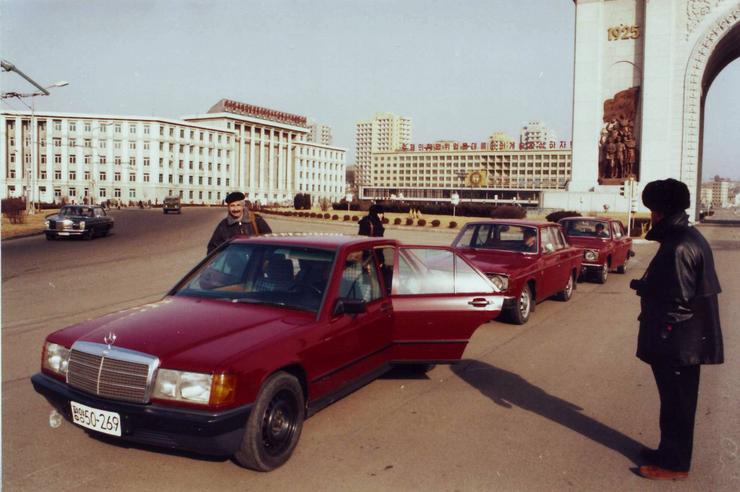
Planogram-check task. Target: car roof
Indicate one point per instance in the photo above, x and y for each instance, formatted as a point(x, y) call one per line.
point(316, 240)
point(516, 222)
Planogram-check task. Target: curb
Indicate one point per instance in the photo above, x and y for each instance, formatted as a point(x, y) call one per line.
point(21, 236)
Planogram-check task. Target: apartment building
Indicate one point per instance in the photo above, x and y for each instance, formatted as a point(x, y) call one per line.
point(536, 132)
point(386, 132)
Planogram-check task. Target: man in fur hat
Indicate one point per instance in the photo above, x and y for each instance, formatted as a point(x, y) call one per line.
point(239, 221)
point(679, 324)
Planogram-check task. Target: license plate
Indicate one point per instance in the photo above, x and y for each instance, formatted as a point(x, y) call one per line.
point(63, 233)
point(97, 420)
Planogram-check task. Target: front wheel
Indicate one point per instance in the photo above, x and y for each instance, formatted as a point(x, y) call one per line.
point(565, 294)
point(623, 267)
point(275, 424)
point(520, 313)
point(603, 274)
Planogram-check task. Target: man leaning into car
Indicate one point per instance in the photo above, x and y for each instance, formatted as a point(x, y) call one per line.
point(239, 221)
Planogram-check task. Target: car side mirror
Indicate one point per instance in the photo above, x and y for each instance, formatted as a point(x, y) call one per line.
point(349, 306)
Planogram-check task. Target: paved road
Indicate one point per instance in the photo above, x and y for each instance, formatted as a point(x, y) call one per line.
point(559, 404)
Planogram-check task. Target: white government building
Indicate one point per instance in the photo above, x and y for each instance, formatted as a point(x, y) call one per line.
point(234, 146)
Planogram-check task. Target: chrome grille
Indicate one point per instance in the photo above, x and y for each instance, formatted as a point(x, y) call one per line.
point(115, 373)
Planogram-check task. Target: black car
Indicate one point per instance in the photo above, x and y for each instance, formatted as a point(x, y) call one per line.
point(171, 204)
point(86, 221)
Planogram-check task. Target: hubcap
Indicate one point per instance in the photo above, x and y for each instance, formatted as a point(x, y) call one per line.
point(604, 272)
point(569, 286)
point(524, 303)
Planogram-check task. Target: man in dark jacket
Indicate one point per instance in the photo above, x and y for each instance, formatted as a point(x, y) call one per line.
point(679, 324)
point(240, 221)
point(372, 224)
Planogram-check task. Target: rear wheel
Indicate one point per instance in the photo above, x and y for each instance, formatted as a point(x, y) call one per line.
point(275, 424)
point(565, 294)
point(520, 313)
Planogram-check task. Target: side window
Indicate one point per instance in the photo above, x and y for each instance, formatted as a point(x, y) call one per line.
point(436, 271)
point(548, 243)
point(466, 238)
point(483, 237)
point(557, 238)
point(617, 229)
point(360, 277)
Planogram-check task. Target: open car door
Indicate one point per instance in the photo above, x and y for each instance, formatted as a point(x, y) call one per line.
point(439, 300)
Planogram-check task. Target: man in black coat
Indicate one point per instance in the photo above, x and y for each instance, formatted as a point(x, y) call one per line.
point(679, 324)
point(372, 224)
point(240, 221)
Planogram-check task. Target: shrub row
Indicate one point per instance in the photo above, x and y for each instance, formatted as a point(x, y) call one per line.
point(354, 218)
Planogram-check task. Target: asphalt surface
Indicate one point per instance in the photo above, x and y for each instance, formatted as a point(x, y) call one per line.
point(558, 404)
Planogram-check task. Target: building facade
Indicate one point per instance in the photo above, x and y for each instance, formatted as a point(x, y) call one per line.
point(481, 172)
point(94, 158)
point(716, 194)
point(319, 133)
point(386, 132)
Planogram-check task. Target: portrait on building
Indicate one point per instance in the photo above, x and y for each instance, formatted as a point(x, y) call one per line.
point(618, 146)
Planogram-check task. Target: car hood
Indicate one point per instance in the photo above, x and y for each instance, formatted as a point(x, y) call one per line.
point(588, 242)
point(191, 332)
point(493, 261)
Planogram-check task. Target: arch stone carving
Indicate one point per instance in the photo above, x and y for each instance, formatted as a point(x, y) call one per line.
point(696, 66)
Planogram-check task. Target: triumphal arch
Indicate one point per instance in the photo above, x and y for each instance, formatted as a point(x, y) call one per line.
point(642, 72)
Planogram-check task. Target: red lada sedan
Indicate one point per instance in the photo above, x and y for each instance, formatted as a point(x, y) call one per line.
point(527, 261)
point(605, 244)
point(261, 334)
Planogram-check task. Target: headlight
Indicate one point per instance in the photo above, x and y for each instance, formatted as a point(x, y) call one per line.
point(590, 255)
point(46, 224)
point(501, 282)
point(194, 387)
point(82, 224)
point(55, 358)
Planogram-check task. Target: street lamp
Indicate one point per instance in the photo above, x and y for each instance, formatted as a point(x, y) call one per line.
point(30, 173)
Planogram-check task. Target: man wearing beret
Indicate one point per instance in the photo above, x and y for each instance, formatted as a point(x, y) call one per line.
point(679, 324)
point(238, 222)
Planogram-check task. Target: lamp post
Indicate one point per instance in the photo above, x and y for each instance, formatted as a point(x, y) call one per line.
point(29, 174)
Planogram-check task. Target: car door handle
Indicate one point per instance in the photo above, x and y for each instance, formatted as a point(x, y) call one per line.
point(479, 302)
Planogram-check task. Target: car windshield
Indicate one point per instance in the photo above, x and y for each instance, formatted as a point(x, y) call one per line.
point(503, 237)
point(76, 212)
point(287, 276)
point(586, 228)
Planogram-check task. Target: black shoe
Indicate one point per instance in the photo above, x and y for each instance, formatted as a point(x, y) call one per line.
point(650, 456)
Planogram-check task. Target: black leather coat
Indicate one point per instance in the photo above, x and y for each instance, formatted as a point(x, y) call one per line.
point(229, 228)
point(679, 318)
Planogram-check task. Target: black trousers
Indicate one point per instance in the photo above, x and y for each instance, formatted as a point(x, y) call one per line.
point(678, 388)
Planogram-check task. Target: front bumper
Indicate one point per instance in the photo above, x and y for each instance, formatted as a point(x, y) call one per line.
point(217, 433)
point(65, 232)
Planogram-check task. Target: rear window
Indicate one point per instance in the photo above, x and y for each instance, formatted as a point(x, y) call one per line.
point(501, 237)
point(586, 228)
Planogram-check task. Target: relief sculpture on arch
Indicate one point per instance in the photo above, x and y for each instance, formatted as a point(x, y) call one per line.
point(618, 141)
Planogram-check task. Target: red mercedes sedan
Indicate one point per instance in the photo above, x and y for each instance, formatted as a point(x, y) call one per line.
point(260, 335)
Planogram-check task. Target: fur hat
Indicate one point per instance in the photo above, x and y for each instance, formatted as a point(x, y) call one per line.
point(234, 196)
point(666, 196)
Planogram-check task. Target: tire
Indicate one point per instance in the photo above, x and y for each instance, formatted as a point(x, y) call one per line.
point(622, 269)
point(50, 237)
point(520, 313)
point(602, 274)
point(88, 234)
point(565, 294)
point(275, 424)
point(105, 231)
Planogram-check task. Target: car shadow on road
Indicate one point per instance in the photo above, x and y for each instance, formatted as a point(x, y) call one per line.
point(509, 390)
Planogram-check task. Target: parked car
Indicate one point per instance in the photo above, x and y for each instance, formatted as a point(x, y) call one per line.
point(605, 244)
point(262, 333)
point(527, 261)
point(86, 221)
point(171, 204)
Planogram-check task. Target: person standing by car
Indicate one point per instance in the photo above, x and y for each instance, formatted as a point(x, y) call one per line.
point(372, 224)
point(239, 221)
point(679, 324)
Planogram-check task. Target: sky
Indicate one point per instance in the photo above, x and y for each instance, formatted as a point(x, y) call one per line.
point(460, 70)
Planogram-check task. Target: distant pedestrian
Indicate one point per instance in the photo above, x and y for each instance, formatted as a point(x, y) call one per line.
point(679, 324)
point(239, 221)
point(372, 224)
